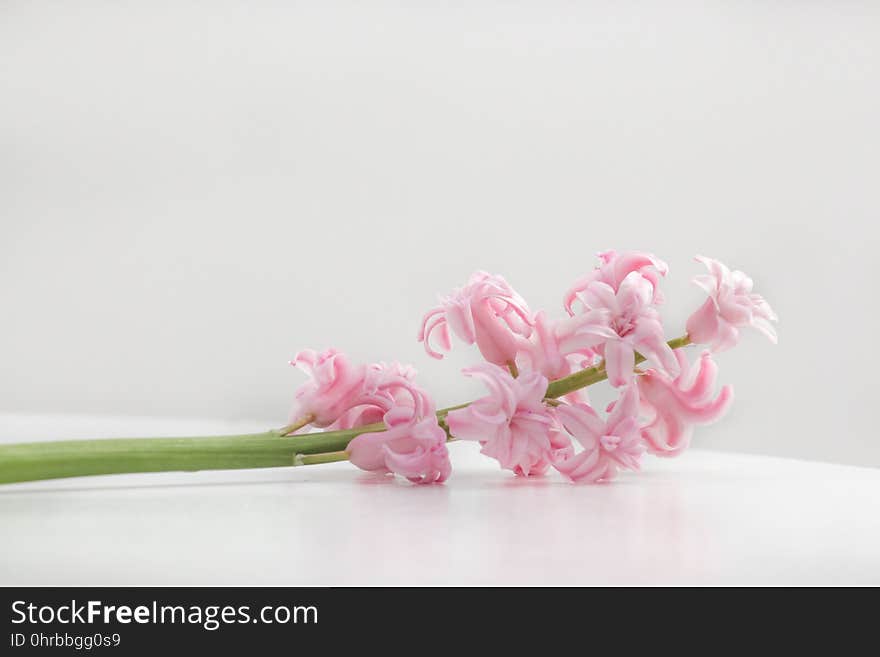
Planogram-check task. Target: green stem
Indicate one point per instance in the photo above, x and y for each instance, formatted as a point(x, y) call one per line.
point(76, 458)
point(315, 459)
point(296, 426)
point(270, 449)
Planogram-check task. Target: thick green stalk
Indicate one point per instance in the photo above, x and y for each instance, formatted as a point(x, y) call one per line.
point(77, 458)
point(270, 449)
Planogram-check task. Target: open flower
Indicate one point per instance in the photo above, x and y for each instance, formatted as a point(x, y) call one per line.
point(413, 445)
point(608, 445)
point(635, 324)
point(511, 423)
point(675, 405)
point(335, 386)
point(486, 311)
point(412, 449)
point(558, 347)
point(730, 306)
point(612, 271)
point(373, 403)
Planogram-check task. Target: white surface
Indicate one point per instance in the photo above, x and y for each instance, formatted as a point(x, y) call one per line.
point(705, 518)
point(192, 191)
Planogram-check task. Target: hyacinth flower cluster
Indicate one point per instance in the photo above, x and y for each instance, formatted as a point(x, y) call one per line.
point(536, 416)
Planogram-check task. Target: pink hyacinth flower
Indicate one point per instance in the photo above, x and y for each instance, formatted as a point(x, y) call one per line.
point(731, 305)
point(511, 423)
point(608, 445)
point(612, 271)
point(559, 347)
point(486, 311)
point(675, 405)
point(415, 450)
point(373, 404)
point(334, 387)
point(636, 326)
point(413, 445)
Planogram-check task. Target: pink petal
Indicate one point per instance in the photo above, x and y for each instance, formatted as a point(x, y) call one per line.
point(619, 362)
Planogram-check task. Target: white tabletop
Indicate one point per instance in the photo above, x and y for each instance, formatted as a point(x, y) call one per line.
point(703, 518)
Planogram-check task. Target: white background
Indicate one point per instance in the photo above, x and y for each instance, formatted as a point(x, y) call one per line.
point(189, 193)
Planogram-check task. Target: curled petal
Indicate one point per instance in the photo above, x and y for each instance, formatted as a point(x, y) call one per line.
point(675, 405)
point(435, 320)
point(586, 467)
point(459, 313)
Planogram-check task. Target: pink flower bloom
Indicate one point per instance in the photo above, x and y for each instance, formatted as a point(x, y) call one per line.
point(334, 387)
point(413, 445)
point(511, 423)
point(675, 405)
point(371, 408)
point(486, 311)
point(636, 326)
point(607, 445)
point(730, 306)
point(614, 268)
point(558, 347)
point(415, 450)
